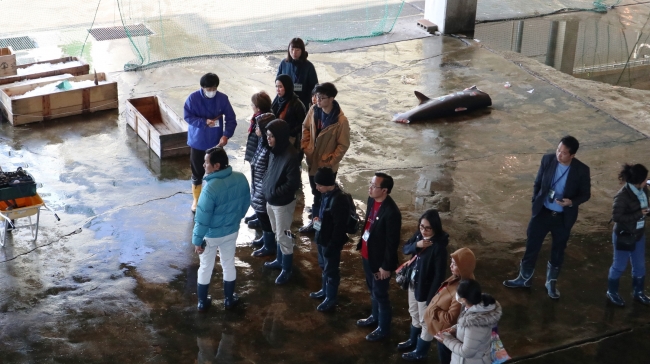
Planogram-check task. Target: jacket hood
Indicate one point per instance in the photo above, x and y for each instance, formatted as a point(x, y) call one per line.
point(481, 316)
point(222, 173)
point(466, 262)
point(263, 121)
point(287, 82)
point(280, 130)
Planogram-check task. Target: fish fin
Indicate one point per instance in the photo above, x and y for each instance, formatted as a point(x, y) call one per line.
point(423, 98)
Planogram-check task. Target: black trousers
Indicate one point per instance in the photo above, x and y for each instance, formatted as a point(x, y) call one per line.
point(538, 227)
point(263, 217)
point(197, 157)
point(315, 207)
point(329, 260)
point(378, 287)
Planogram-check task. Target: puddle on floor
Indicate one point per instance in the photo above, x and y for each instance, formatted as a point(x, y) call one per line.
point(613, 48)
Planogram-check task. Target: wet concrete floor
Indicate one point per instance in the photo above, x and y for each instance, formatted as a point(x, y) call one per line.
point(115, 280)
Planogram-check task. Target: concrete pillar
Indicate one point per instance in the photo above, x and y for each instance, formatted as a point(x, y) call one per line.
point(569, 45)
point(518, 36)
point(552, 44)
point(451, 16)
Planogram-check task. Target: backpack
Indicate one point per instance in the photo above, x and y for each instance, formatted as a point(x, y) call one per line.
point(354, 221)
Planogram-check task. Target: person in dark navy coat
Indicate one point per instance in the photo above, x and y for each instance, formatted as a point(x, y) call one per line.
point(563, 183)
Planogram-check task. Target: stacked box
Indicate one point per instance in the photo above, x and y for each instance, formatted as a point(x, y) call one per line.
point(7, 62)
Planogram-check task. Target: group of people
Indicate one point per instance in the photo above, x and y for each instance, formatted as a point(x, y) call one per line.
point(304, 120)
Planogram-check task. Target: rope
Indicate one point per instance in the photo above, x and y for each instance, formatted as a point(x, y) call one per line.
point(91, 27)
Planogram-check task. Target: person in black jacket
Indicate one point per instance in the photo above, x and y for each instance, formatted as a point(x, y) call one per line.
point(378, 246)
point(302, 72)
point(279, 187)
point(430, 244)
point(562, 185)
point(288, 107)
point(629, 211)
point(259, 165)
point(261, 104)
point(330, 224)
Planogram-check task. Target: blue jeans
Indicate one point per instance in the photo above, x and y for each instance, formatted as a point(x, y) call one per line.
point(621, 257)
point(329, 259)
point(378, 287)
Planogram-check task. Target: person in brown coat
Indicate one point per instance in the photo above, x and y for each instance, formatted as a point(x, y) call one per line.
point(443, 310)
point(325, 139)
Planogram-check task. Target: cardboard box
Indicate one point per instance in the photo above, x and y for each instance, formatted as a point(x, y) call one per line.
point(82, 69)
point(7, 62)
point(158, 125)
point(59, 104)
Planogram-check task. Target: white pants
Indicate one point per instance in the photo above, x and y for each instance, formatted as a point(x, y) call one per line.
point(281, 218)
point(226, 246)
point(416, 309)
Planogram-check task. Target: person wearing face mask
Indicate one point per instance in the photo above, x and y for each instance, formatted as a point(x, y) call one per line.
point(211, 122)
point(302, 72)
point(430, 243)
point(288, 107)
point(443, 310)
point(629, 213)
point(470, 339)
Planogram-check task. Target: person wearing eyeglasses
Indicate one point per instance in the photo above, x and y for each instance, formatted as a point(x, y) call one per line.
point(325, 139)
point(378, 245)
point(211, 122)
point(288, 107)
point(430, 244)
point(302, 72)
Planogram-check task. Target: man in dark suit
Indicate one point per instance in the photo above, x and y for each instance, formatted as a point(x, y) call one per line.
point(562, 184)
point(378, 245)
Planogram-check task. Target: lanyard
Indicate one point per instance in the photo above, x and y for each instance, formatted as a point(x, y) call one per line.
point(558, 180)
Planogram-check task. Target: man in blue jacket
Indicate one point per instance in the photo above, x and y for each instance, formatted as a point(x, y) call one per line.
point(205, 111)
point(222, 205)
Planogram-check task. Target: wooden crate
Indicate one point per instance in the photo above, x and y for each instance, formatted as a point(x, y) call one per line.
point(158, 125)
point(80, 70)
point(58, 104)
point(7, 62)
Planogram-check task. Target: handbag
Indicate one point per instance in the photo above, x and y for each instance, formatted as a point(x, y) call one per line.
point(498, 353)
point(625, 241)
point(405, 272)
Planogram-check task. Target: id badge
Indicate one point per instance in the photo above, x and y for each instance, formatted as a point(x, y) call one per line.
point(297, 87)
point(317, 224)
point(366, 235)
point(551, 194)
point(640, 224)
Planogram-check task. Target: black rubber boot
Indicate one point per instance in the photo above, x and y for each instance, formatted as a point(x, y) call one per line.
point(205, 301)
point(523, 280)
point(269, 245)
point(231, 299)
point(371, 321)
point(551, 281)
point(331, 293)
point(249, 218)
point(287, 268)
point(320, 294)
point(409, 344)
point(420, 353)
point(638, 283)
point(383, 329)
point(612, 292)
point(277, 263)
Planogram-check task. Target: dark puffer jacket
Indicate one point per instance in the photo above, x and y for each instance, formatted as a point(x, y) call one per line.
point(259, 164)
point(626, 211)
point(282, 178)
point(430, 265)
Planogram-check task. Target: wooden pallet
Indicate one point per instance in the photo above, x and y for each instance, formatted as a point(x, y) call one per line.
point(158, 125)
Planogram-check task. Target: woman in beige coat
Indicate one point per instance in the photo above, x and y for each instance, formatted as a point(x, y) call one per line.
point(443, 310)
point(469, 340)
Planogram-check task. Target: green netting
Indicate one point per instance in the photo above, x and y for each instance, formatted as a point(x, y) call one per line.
point(203, 28)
